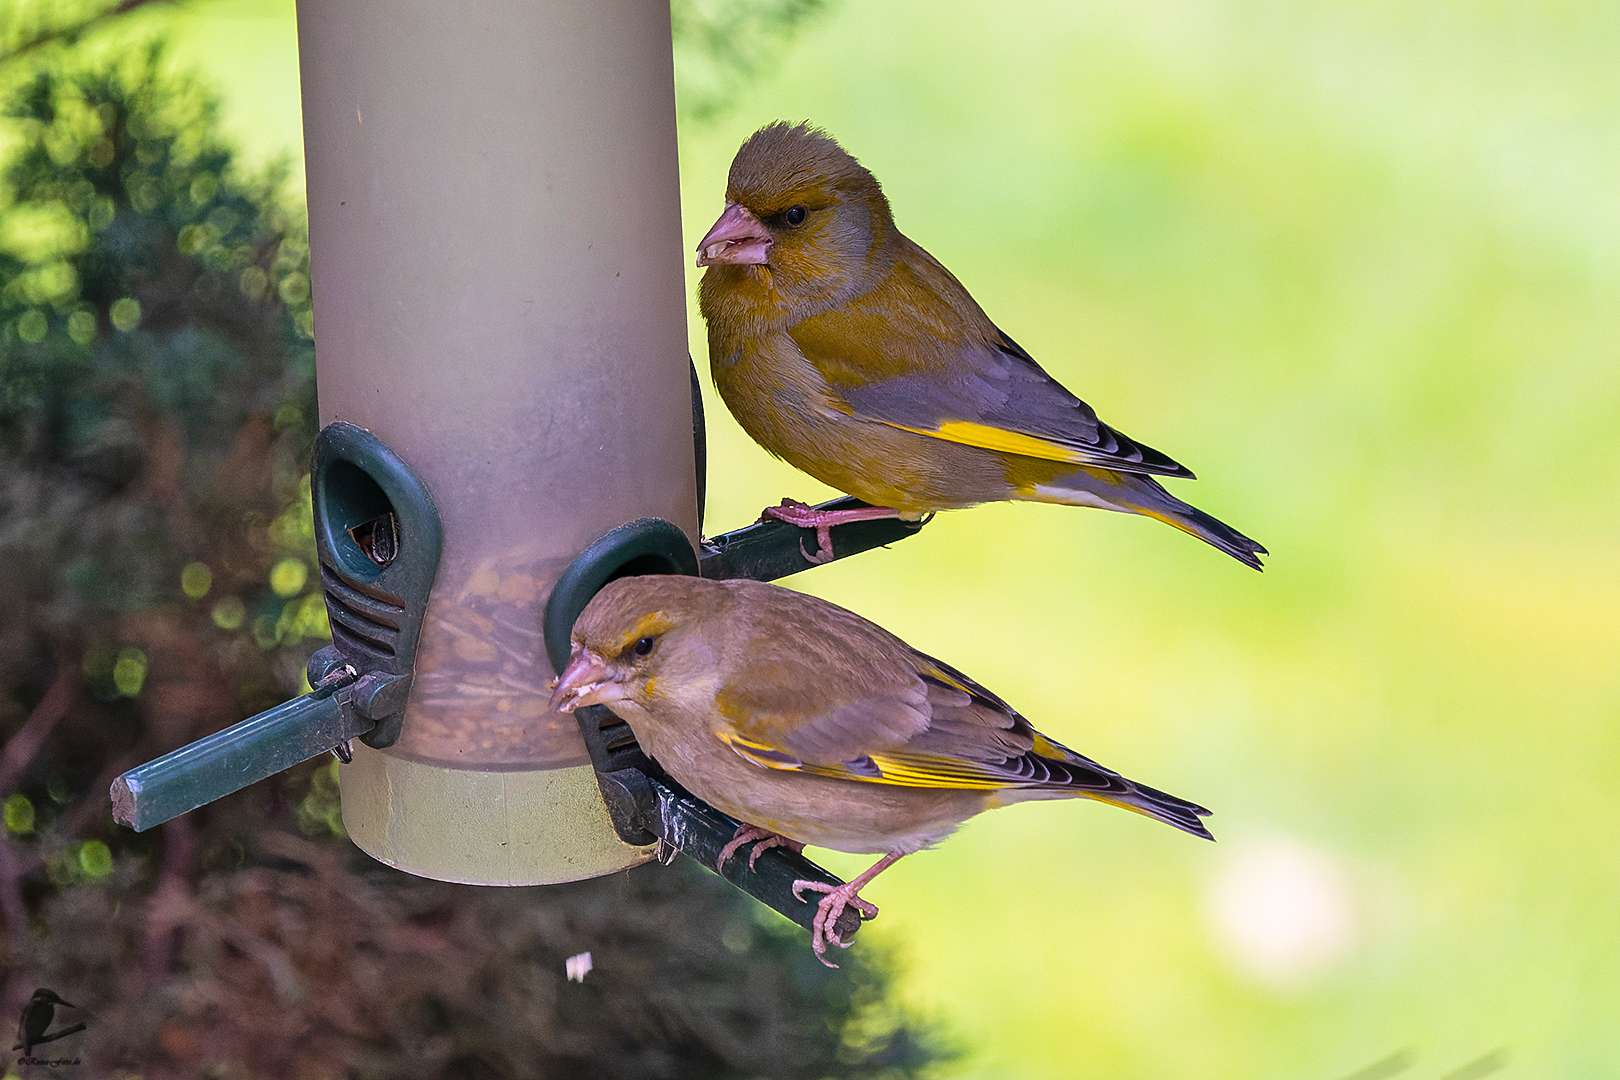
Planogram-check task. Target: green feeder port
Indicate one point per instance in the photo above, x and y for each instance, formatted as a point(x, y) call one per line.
point(378, 539)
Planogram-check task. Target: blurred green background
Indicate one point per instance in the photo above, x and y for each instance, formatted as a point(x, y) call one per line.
point(1357, 266)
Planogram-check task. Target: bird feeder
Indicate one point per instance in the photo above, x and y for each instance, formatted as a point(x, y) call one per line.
point(510, 421)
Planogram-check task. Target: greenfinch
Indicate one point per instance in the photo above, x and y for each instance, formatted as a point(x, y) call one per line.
point(846, 349)
point(811, 725)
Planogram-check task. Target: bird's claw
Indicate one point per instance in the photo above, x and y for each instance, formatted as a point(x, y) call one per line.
point(805, 516)
point(791, 511)
point(762, 839)
point(824, 928)
point(824, 548)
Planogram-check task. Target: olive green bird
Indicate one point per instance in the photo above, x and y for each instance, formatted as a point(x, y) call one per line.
point(847, 350)
point(811, 725)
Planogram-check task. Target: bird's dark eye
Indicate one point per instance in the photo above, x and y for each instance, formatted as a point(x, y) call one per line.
point(794, 216)
point(643, 646)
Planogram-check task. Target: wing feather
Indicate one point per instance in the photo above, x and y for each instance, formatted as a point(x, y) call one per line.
point(899, 717)
point(1001, 399)
point(932, 728)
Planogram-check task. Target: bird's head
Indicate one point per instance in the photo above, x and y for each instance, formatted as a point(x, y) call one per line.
point(640, 639)
point(798, 205)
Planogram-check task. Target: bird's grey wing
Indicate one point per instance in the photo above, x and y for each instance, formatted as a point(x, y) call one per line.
point(932, 727)
point(974, 739)
point(997, 397)
point(820, 695)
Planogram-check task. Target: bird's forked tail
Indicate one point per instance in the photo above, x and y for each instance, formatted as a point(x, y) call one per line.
point(1132, 493)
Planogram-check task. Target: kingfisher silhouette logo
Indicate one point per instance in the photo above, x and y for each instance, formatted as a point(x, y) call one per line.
point(33, 1028)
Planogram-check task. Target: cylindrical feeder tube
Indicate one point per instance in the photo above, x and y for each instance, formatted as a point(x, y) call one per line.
point(499, 297)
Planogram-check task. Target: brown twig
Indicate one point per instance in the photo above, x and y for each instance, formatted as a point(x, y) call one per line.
point(72, 33)
point(170, 903)
point(14, 866)
point(22, 746)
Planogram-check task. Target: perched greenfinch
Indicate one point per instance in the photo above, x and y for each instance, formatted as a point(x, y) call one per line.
point(811, 725)
point(846, 349)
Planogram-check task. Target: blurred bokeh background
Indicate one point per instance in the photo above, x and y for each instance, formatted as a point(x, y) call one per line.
point(1358, 266)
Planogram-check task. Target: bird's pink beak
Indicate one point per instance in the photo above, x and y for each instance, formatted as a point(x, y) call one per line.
point(585, 674)
point(738, 238)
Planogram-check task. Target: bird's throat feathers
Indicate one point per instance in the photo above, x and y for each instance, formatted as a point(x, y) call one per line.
point(801, 280)
point(840, 243)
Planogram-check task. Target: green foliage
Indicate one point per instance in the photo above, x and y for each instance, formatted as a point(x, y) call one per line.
point(19, 813)
point(722, 45)
point(32, 25)
point(320, 813)
point(132, 252)
point(156, 363)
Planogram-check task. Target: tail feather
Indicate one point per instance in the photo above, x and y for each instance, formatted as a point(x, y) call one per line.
point(1133, 493)
point(1053, 771)
point(1120, 792)
point(1164, 807)
point(1211, 530)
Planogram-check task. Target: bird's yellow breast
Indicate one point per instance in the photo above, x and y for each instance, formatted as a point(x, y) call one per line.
point(787, 407)
point(794, 408)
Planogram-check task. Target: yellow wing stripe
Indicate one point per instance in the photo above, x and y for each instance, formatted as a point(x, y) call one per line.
point(939, 674)
point(910, 773)
point(907, 770)
point(1010, 442)
point(917, 772)
point(1045, 748)
point(760, 754)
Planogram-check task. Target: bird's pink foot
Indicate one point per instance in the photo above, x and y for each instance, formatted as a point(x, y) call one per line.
point(762, 839)
point(824, 929)
point(808, 517)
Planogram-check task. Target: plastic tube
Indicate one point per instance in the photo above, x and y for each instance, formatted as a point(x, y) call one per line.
point(499, 296)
